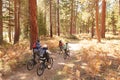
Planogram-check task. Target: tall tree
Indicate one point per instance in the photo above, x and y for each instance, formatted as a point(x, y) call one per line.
point(75, 15)
point(45, 13)
point(25, 20)
point(51, 32)
point(103, 18)
point(113, 23)
point(54, 16)
point(71, 22)
point(97, 23)
point(41, 24)
point(33, 21)
point(17, 20)
point(9, 28)
point(1, 23)
point(119, 7)
point(58, 20)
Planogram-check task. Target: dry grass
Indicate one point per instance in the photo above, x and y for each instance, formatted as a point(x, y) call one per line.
point(15, 55)
point(97, 61)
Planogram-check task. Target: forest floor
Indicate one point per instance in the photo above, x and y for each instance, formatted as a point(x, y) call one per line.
point(89, 60)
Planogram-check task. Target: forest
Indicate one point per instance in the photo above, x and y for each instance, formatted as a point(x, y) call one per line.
point(90, 27)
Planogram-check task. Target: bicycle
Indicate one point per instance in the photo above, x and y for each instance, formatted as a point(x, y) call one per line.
point(61, 50)
point(31, 63)
point(43, 65)
point(66, 53)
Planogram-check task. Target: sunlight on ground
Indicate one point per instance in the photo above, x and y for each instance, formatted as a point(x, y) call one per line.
point(59, 73)
point(78, 46)
point(23, 76)
point(67, 64)
point(61, 63)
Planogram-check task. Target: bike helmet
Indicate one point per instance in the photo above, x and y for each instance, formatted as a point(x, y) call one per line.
point(38, 40)
point(60, 41)
point(45, 46)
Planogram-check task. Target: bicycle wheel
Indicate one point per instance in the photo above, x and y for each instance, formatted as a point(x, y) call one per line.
point(65, 55)
point(40, 69)
point(68, 53)
point(50, 64)
point(30, 64)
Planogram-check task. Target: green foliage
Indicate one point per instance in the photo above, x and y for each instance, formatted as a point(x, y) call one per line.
point(41, 24)
point(65, 14)
point(113, 16)
point(26, 30)
point(118, 24)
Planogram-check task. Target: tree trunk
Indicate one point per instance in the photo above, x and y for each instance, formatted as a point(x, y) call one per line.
point(119, 7)
point(17, 21)
point(76, 13)
point(51, 33)
point(33, 22)
point(45, 15)
point(9, 28)
point(97, 23)
point(103, 19)
point(71, 22)
point(92, 29)
point(55, 19)
point(58, 22)
point(1, 23)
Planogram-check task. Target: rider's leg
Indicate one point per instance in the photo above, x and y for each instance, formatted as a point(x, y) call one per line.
point(65, 51)
point(47, 56)
point(34, 56)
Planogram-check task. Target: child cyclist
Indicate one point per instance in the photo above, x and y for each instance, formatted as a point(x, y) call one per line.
point(66, 48)
point(61, 45)
point(41, 51)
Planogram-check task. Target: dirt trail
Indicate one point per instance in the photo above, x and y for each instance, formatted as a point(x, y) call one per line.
point(22, 73)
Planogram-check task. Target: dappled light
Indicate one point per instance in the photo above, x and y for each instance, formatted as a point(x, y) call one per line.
point(59, 39)
point(86, 61)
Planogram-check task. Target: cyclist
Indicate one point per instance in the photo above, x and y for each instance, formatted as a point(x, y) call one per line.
point(45, 52)
point(61, 45)
point(36, 48)
point(66, 49)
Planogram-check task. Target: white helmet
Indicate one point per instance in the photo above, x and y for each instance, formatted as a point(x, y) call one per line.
point(45, 46)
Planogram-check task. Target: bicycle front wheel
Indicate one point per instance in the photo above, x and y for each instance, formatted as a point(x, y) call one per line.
point(40, 69)
point(30, 64)
point(50, 63)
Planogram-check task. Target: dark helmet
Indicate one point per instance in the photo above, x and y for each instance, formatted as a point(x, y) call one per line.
point(38, 40)
point(60, 41)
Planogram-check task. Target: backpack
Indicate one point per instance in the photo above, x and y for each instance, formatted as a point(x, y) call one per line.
point(34, 45)
point(42, 52)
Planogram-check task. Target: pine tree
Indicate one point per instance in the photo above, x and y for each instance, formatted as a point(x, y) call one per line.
point(1, 23)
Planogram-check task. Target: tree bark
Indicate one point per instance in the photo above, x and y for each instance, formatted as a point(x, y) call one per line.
point(92, 28)
point(97, 23)
point(71, 22)
point(55, 18)
point(103, 18)
point(51, 33)
point(75, 7)
point(58, 22)
point(17, 21)
point(119, 7)
point(1, 23)
point(33, 22)
point(9, 29)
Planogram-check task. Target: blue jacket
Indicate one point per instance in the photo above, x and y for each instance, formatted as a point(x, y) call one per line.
point(38, 46)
